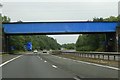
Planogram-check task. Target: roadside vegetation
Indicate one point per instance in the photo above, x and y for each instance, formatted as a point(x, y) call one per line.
point(69, 46)
point(39, 42)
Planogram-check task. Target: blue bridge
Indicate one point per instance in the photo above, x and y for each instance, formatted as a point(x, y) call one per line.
point(59, 27)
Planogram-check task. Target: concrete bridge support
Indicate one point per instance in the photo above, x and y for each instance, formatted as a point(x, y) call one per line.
point(118, 39)
point(6, 43)
point(110, 42)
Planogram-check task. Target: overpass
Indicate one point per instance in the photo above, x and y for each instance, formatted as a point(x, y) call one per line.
point(36, 28)
point(59, 27)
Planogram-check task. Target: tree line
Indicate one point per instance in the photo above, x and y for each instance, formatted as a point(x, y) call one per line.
point(68, 46)
point(94, 42)
point(39, 42)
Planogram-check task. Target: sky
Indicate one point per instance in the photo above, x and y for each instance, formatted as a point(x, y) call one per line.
point(59, 0)
point(59, 10)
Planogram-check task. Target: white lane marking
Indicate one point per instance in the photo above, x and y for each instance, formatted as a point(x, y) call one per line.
point(54, 66)
point(92, 63)
point(45, 61)
point(9, 60)
point(40, 58)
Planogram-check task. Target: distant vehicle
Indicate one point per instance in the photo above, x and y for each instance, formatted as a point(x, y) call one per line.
point(35, 51)
point(45, 51)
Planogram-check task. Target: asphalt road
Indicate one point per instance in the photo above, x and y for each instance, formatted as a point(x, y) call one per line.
point(49, 66)
point(31, 66)
point(82, 69)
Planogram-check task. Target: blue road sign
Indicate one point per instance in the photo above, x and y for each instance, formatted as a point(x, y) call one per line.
point(29, 46)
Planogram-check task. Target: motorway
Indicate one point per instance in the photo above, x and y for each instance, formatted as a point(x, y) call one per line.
point(50, 66)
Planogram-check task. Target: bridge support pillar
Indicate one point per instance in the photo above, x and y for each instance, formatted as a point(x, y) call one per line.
point(111, 42)
point(7, 46)
point(118, 39)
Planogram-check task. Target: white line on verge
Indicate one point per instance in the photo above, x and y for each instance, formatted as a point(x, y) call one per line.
point(91, 63)
point(9, 60)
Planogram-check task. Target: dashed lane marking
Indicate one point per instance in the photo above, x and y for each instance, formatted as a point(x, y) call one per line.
point(54, 66)
point(45, 61)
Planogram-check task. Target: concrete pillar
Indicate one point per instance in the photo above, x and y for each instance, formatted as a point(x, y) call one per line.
point(111, 42)
point(7, 46)
point(118, 38)
point(0, 39)
point(3, 42)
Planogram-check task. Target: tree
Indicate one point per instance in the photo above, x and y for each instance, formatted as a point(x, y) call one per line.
point(87, 42)
point(68, 46)
point(6, 19)
point(111, 18)
point(98, 19)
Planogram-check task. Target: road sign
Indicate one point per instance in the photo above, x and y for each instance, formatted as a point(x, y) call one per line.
point(29, 46)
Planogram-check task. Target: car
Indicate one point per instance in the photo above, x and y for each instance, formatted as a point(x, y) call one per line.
point(45, 51)
point(35, 51)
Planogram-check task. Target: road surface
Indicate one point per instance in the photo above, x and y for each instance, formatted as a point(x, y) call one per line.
point(83, 69)
point(31, 66)
point(49, 66)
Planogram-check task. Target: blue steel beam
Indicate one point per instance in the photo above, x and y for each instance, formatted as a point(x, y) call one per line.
point(59, 27)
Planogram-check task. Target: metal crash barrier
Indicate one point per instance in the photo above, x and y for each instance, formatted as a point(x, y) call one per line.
point(98, 55)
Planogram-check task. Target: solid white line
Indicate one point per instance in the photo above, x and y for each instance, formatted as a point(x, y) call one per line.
point(9, 61)
point(91, 63)
point(54, 66)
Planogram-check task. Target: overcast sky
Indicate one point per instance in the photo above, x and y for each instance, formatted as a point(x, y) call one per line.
point(59, 0)
point(59, 10)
